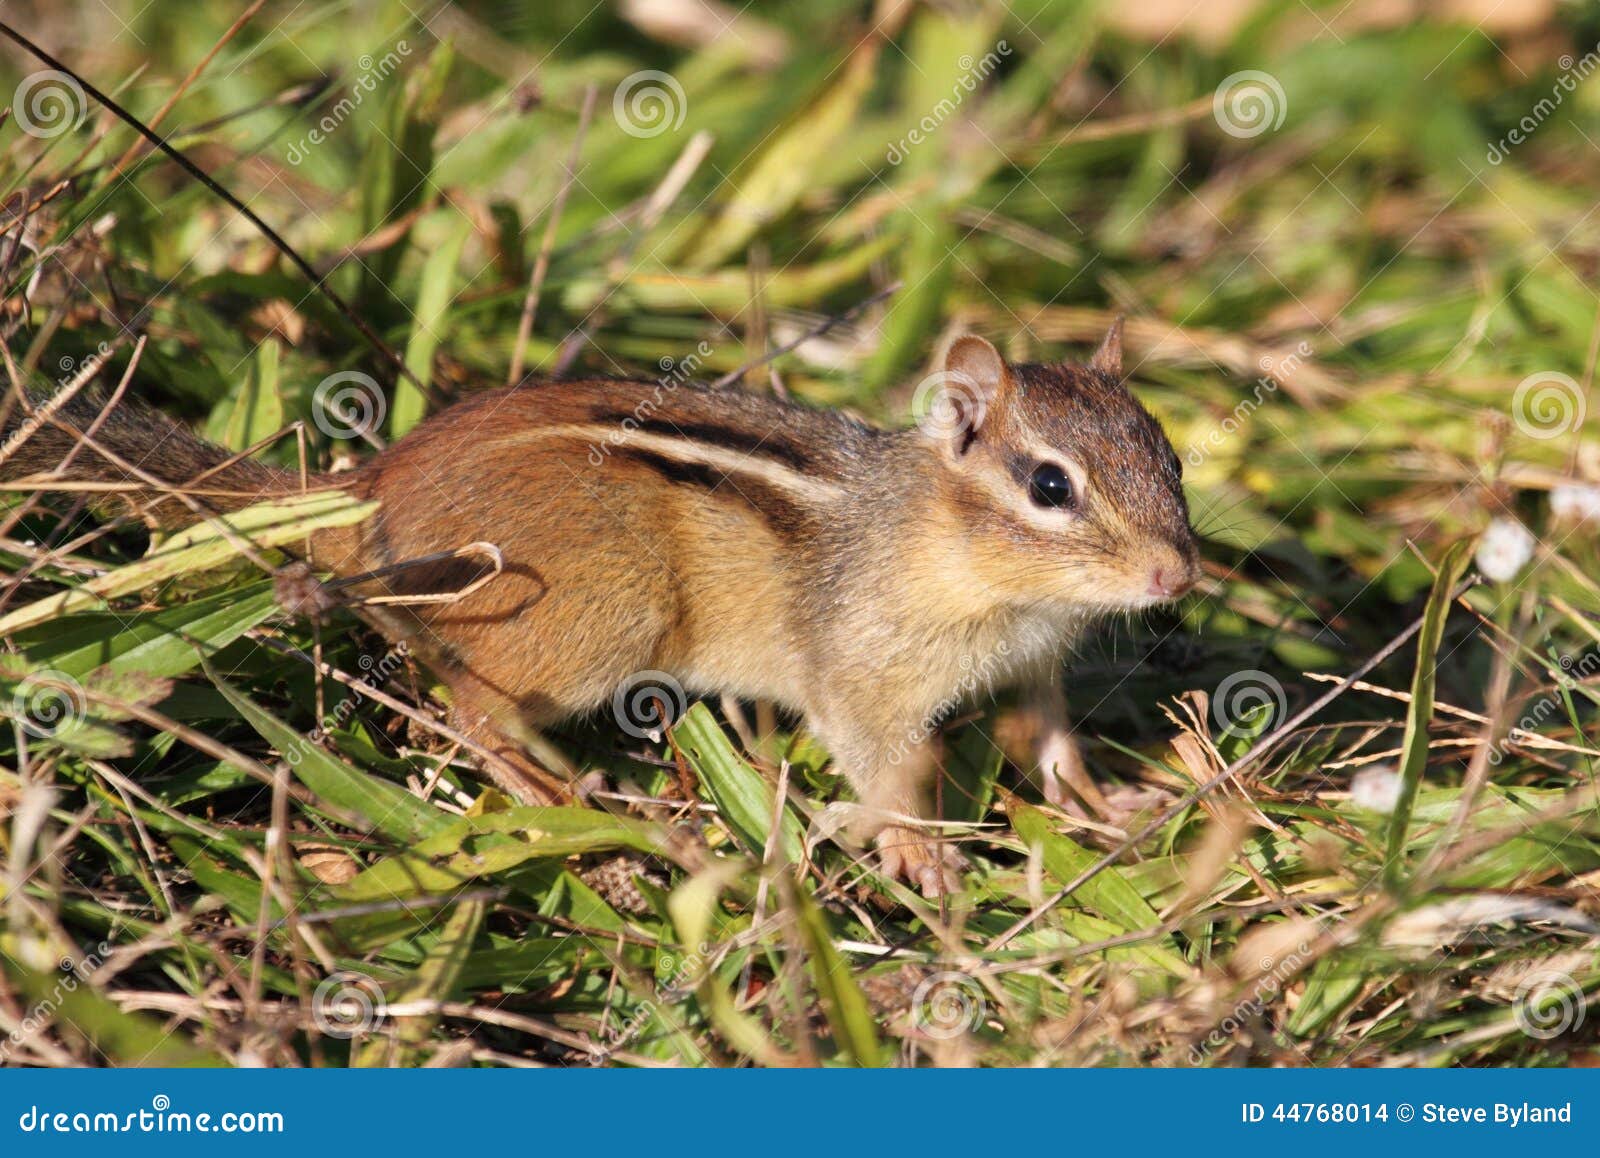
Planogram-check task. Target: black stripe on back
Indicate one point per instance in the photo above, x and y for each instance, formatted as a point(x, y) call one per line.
point(773, 446)
point(771, 504)
point(696, 474)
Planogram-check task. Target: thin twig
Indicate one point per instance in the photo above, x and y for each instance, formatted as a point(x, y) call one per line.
point(660, 199)
point(47, 410)
point(188, 81)
point(1268, 745)
point(250, 215)
point(541, 265)
point(816, 331)
point(398, 705)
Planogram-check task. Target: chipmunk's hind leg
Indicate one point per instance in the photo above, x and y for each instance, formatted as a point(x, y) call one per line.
point(566, 656)
point(499, 725)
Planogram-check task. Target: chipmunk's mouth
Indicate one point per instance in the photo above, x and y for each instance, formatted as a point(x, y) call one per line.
point(1165, 579)
point(1168, 583)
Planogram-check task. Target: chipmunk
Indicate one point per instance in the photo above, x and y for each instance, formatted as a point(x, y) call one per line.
point(741, 545)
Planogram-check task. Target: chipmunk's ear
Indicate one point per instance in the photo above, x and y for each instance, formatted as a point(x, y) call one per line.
point(973, 384)
point(1108, 358)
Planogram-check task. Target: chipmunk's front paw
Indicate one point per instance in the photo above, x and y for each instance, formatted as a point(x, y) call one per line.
point(920, 859)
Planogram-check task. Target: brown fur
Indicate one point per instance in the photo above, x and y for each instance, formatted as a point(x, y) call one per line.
point(870, 580)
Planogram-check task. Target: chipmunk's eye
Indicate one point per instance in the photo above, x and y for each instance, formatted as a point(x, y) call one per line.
point(1049, 486)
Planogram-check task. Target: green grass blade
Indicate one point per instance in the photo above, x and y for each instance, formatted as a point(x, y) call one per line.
point(1414, 744)
point(385, 808)
point(201, 548)
point(429, 325)
point(167, 642)
point(741, 794)
point(845, 1006)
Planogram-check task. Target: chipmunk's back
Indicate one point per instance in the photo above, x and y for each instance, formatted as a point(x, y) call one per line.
point(642, 526)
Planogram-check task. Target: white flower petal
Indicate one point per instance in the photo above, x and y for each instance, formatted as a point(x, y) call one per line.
point(1504, 550)
point(1575, 503)
point(1376, 789)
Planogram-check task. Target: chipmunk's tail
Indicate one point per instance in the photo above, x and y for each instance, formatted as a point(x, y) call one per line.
point(143, 456)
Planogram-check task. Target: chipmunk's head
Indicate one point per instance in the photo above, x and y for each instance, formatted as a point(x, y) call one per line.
point(1066, 488)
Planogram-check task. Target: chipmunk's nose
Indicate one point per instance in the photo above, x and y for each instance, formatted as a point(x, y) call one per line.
point(1171, 582)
